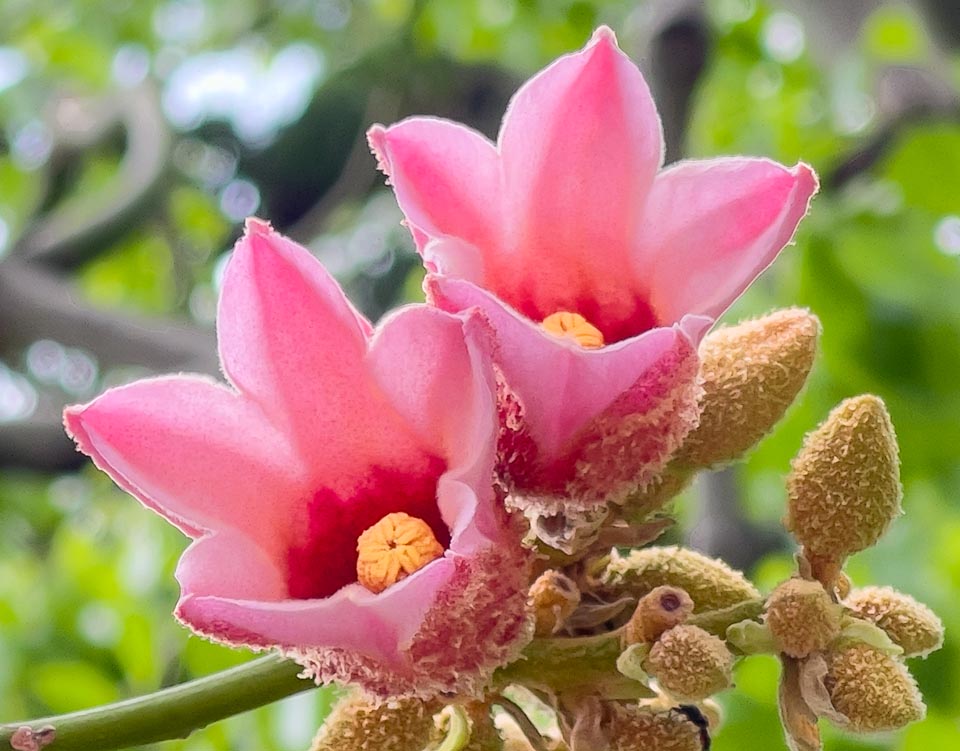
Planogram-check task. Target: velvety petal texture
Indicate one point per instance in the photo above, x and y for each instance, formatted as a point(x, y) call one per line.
point(326, 427)
point(570, 212)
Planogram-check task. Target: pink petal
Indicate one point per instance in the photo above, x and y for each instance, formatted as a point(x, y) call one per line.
point(193, 451)
point(443, 629)
point(445, 388)
point(711, 227)
point(580, 145)
point(354, 618)
point(291, 341)
point(446, 177)
point(563, 386)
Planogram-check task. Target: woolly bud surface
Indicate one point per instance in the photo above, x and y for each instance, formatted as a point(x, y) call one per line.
point(750, 374)
point(689, 663)
point(553, 598)
point(632, 728)
point(873, 690)
point(711, 583)
point(844, 487)
point(357, 724)
point(909, 624)
point(802, 618)
point(658, 611)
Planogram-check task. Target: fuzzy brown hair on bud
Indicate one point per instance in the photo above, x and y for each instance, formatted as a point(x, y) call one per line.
point(633, 728)
point(659, 610)
point(910, 625)
point(750, 374)
point(552, 599)
point(689, 663)
point(711, 583)
point(358, 724)
point(844, 486)
point(871, 689)
point(802, 618)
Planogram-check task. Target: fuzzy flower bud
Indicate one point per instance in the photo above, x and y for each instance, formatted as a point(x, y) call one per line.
point(802, 618)
point(844, 487)
point(632, 728)
point(910, 625)
point(658, 611)
point(750, 373)
point(552, 599)
point(873, 690)
point(711, 584)
point(357, 724)
point(689, 663)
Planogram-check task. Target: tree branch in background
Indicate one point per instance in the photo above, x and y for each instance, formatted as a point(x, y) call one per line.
point(677, 54)
point(80, 227)
point(34, 304)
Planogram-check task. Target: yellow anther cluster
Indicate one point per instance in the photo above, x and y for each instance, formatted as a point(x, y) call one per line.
point(844, 487)
point(393, 548)
point(689, 663)
point(658, 611)
point(632, 728)
point(750, 373)
point(910, 624)
point(573, 326)
point(553, 597)
point(711, 584)
point(356, 724)
point(872, 690)
point(802, 618)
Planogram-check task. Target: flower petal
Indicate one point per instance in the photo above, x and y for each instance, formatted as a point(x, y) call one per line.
point(446, 178)
point(353, 618)
point(711, 227)
point(563, 386)
point(291, 341)
point(580, 145)
point(444, 628)
point(192, 450)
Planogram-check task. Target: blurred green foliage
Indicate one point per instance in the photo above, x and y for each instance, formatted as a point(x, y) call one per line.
point(86, 576)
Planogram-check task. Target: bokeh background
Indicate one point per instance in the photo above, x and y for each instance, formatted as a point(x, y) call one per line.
point(135, 136)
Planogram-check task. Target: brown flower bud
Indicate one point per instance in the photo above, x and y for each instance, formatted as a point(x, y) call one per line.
point(659, 610)
point(911, 625)
point(844, 487)
point(871, 689)
point(553, 597)
point(711, 584)
point(802, 618)
point(689, 663)
point(750, 373)
point(358, 724)
point(633, 728)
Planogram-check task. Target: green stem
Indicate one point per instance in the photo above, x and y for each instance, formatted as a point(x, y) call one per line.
point(173, 712)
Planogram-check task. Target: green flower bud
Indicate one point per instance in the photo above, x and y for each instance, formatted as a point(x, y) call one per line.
point(633, 728)
point(659, 610)
point(802, 618)
point(844, 487)
point(689, 663)
point(871, 689)
point(911, 625)
point(552, 599)
point(711, 583)
point(358, 724)
point(750, 373)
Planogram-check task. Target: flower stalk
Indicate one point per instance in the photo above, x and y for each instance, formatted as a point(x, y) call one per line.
point(172, 713)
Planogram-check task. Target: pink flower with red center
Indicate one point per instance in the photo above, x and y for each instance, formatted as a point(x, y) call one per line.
point(339, 491)
point(599, 270)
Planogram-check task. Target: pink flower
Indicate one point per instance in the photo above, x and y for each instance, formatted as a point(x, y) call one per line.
point(327, 427)
point(570, 212)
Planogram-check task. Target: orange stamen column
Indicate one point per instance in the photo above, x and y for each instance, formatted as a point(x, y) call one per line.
point(573, 326)
point(393, 548)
